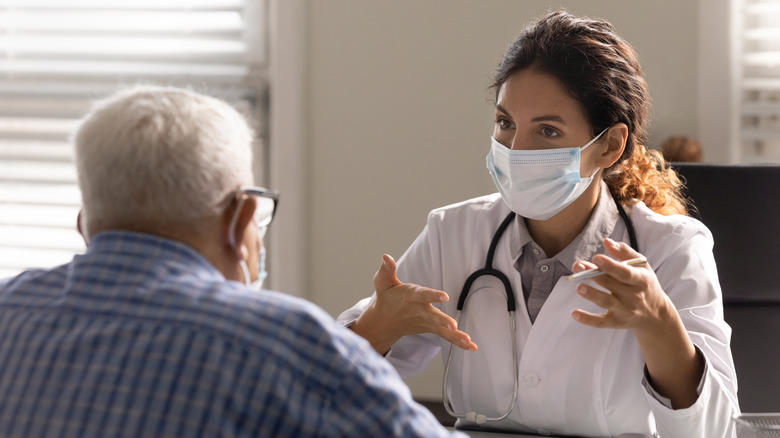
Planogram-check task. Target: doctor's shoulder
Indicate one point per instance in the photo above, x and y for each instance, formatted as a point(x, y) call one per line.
point(482, 207)
point(661, 234)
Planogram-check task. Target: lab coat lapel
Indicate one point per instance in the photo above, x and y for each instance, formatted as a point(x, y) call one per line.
point(555, 317)
point(560, 364)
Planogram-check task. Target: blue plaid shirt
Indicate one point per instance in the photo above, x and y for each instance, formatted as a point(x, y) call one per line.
point(141, 336)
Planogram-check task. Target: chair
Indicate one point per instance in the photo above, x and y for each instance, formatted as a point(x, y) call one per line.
point(740, 204)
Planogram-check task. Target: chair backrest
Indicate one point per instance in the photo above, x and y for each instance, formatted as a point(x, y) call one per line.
point(740, 204)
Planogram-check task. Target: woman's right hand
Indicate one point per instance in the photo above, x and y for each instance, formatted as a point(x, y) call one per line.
point(402, 309)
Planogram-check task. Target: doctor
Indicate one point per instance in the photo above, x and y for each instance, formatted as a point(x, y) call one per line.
point(642, 348)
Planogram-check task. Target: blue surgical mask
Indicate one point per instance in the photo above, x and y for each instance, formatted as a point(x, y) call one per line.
point(261, 272)
point(538, 184)
point(256, 285)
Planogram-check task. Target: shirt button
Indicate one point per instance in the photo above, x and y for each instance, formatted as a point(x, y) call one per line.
point(536, 251)
point(544, 268)
point(531, 380)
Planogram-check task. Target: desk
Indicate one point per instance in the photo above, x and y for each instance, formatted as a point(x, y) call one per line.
point(482, 434)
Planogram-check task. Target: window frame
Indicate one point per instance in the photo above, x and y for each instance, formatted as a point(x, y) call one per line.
point(254, 91)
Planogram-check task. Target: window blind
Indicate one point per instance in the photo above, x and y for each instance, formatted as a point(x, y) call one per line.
point(758, 26)
point(56, 56)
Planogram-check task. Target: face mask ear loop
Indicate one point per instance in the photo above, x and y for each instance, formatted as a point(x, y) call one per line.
point(245, 272)
point(594, 139)
point(232, 239)
point(232, 228)
point(590, 143)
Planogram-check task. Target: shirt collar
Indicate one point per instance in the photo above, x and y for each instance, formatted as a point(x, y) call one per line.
point(600, 225)
point(523, 238)
point(588, 243)
point(141, 245)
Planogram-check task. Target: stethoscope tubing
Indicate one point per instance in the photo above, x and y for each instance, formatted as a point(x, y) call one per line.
point(474, 416)
point(511, 307)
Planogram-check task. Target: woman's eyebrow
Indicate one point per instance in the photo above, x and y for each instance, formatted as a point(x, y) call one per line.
point(549, 118)
point(544, 118)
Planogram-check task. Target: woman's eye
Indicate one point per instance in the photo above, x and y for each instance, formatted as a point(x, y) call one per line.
point(504, 124)
point(548, 132)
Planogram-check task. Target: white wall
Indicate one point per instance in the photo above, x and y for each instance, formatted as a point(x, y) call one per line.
point(397, 118)
point(717, 93)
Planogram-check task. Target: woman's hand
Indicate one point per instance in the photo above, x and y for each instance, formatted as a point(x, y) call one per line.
point(402, 309)
point(636, 301)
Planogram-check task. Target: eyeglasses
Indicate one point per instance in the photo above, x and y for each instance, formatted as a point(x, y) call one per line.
point(266, 203)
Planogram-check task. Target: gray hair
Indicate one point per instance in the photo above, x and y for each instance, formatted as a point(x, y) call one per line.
point(150, 157)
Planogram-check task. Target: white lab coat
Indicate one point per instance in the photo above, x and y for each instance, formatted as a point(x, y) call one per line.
point(573, 379)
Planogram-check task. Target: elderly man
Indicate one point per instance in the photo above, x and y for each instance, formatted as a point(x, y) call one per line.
point(159, 328)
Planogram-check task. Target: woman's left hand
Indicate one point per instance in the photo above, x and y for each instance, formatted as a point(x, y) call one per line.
point(636, 301)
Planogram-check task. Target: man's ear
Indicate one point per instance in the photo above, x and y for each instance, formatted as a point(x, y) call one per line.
point(235, 220)
point(616, 137)
point(81, 226)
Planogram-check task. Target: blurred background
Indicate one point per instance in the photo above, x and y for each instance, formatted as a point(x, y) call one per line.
point(369, 113)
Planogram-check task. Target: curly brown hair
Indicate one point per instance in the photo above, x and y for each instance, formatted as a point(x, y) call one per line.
point(601, 71)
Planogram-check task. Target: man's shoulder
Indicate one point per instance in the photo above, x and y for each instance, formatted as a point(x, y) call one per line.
point(31, 284)
point(296, 335)
point(284, 309)
point(277, 321)
point(267, 303)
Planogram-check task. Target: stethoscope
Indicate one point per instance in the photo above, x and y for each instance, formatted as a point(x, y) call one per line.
point(510, 306)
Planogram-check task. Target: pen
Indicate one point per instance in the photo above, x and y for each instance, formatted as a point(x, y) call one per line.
point(639, 261)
